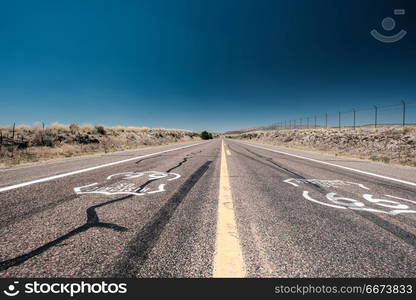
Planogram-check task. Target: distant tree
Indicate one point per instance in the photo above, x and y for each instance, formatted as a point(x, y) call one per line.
point(205, 135)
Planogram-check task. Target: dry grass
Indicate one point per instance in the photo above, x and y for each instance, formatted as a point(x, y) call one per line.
point(387, 145)
point(35, 143)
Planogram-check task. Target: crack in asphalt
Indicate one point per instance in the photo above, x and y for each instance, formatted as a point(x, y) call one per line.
point(92, 221)
point(141, 245)
point(143, 159)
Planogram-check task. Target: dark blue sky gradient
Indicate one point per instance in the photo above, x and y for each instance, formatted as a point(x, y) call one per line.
point(212, 64)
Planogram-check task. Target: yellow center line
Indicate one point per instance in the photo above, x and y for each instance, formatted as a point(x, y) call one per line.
point(228, 256)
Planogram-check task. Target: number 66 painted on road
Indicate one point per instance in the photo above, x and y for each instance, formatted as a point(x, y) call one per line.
point(349, 203)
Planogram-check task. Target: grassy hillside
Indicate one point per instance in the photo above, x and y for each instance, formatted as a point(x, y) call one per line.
point(36, 143)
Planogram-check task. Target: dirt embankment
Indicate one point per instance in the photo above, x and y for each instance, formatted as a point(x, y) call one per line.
point(388, 145)
point(30, 144)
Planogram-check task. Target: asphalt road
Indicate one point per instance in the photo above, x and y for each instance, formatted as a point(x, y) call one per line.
point(217, 208)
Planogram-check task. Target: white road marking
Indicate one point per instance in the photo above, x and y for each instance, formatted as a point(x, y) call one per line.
point(398, 198)
point(352, 203)
point(348, 202)
point(78, 189)
point(153, 175)
point(306, 195)
point(15, 186)
point(360, 185)
point(323, 182)
point(289, 180)
point(385, 202)
point(391, 213)
point(334, 165)
point(126, 186)
point(161, 188)
point(103, 192)
point(356, 205)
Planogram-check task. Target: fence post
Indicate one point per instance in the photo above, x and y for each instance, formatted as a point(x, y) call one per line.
point(375, 116)
point(300, 123)
point(42, 134)
point(307, 120)
point(354, 117)
point(315, 121)
point(294, 124)
point(404, 113)
point(14, 126)
point(326, 120)
point(339, 120)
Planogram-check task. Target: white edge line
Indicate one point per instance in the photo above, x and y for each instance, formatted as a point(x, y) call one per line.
point(15, 186)
point(333, 165)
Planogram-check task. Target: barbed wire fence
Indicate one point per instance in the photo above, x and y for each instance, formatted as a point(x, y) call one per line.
point(377, 116)
point(11, 140)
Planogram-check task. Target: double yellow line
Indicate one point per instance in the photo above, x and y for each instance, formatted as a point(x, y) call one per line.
point(228, 257)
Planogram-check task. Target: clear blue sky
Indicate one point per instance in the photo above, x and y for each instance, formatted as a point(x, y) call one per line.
point(198, 64)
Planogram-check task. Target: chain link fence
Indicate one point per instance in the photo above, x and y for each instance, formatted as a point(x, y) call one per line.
point(395, 115)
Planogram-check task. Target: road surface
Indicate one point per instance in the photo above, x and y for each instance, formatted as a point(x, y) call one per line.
point(222, 208)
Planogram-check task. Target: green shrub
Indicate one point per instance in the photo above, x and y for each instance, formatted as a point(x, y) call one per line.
point(48, 140)
point(205, 135)
point(44, 138)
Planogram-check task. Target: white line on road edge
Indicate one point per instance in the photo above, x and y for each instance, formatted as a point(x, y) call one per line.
point(228, 256)
point(15, 186)
point(333, 165)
